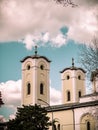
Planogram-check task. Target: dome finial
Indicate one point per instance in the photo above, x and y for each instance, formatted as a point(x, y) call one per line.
point(36, 50)
point(72, 62)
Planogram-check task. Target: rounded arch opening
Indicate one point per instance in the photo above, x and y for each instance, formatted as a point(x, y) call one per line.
point(67, 77)
point(56, 124)
point(28, 65)
point(87, 122)
point(41, 88)
point(28, 88)
point(42, 65)
point(79, 94)
point(68, 95)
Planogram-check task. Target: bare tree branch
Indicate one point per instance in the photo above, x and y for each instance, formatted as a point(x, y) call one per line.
point(66, 2)
point(89, 57)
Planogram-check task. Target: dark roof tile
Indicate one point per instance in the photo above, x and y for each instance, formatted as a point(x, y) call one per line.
point(35, 57)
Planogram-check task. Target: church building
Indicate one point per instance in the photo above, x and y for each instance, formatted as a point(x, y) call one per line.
point(78, 111)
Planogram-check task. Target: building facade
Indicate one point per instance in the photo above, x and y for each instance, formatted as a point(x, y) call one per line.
point(78, 111)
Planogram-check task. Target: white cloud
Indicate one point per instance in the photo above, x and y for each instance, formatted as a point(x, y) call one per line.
point(46, 37)
point(55, 96)
point(19, 18)
point(59, 40)
point(28, 41)
point(42, 39)
point(12, 116)
point(11, 92)
point(85, 27)
point(2, 119)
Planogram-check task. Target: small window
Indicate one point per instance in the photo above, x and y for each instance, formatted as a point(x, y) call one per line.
point(58, 126)
point(54, 127)
point(68, 96)
point(79, 77)
point(79, 94)
point(68, 77)
point(88, 125)
point(28, 89)
point(41, 67)
point(41, 88)
point(28, 67)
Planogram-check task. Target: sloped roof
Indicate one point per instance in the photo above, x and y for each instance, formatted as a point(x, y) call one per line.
point(35, 57)
point(73, 68)
point(90, 95)
point(71, 106)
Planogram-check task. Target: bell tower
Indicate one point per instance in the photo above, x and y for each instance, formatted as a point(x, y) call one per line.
point(35, 79)
point(73, 84)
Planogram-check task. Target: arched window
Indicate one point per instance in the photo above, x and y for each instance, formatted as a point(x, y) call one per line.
point(41, 67)
point(89, 121)
point(68, 96)
point(88, 125)
point(41, 88)
point(67, 77)
point(58, 126)
point(79, 77)
point(28, 67)
point(79, 94)
point(54, 127)
point(28, 88)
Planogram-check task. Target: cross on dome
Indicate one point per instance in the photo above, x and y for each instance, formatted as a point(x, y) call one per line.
point(72, 62)
point(36, 50)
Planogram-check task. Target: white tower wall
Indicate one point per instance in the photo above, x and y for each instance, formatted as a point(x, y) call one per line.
point(35, 80)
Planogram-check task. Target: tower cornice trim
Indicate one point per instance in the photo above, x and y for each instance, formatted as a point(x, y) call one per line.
point(35, 57)
point(72, 68)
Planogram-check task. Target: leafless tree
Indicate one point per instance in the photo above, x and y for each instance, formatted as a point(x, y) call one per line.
point(89, 57)
point(66, 2)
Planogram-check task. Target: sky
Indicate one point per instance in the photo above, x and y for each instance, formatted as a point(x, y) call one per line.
point(58, 31)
